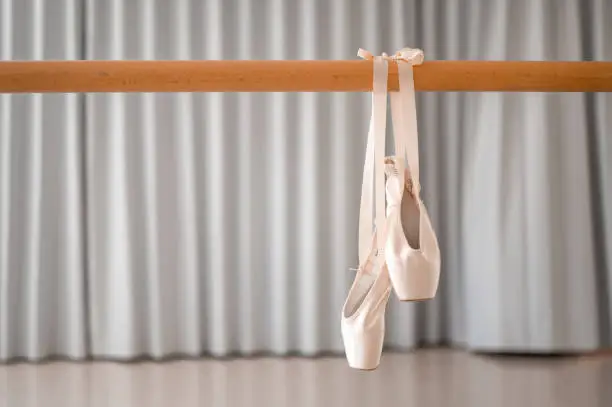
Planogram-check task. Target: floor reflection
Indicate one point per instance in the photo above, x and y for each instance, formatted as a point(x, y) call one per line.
point(425, 378)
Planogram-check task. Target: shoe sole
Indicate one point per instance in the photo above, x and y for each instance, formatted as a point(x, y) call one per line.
point(417, 299)
point(364, 370)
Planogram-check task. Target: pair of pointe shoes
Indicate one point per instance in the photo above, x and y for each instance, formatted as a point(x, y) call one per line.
point(409, 262)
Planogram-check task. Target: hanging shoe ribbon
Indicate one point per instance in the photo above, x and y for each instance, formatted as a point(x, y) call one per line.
point(412, 56)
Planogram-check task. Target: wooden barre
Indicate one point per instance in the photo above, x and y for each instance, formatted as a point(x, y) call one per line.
point(297, 76)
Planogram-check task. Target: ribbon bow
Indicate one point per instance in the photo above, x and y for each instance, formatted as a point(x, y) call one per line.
point(413, 56)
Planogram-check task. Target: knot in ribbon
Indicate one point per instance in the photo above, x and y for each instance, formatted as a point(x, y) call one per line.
point(413, 56)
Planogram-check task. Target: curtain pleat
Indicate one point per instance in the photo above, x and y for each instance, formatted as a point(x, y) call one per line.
point(42, 247)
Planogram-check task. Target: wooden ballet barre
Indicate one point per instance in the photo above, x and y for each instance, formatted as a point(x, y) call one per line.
point(297, 76)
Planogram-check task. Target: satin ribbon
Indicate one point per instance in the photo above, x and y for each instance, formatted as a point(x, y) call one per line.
point(406, 144)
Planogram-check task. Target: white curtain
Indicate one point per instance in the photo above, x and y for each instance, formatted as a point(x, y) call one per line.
point(186, 224)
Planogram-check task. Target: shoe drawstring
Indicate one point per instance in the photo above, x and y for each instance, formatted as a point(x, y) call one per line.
point(379, 252)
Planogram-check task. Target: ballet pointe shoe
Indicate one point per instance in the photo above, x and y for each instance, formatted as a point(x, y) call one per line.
point(363, 316)
point(411, 249)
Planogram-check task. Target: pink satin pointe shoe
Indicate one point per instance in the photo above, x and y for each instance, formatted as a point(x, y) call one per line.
point(411, 251)
point(363, 314)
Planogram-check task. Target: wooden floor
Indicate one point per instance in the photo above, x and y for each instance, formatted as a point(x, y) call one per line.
point(428, 378)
